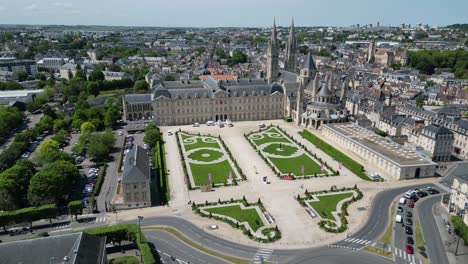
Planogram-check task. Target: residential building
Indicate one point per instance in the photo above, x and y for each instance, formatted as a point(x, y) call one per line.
point(68, 70)
point(50, 63)
point(438, 141)
point(16, 65)
point(136, 178)
point(459, 197)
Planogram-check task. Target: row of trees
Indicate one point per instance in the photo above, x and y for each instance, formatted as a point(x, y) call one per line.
point(10, 118)
point(428, 60)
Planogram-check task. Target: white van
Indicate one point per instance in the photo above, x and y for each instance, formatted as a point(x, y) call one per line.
point(210, 123)
point(409, 193)
point(402, 201)
point(398, 218)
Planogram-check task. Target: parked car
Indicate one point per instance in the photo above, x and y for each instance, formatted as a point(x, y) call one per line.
point(400, 209)
point(409, 193)
point(262, 125)
point(43, 234)
point(409, 230)
point(411, 204)
point(433, 191)
point(414, 198)
point(196, 124)
point(422, 194)
point(409, 214)
point(26, 155)
point(409, 221)
point(410, 240)
point(409, 249)
point(213, 227)
point(169, 133)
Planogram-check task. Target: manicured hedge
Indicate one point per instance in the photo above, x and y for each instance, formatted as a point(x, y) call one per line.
point(460, 228)
point(327, 225)
point(28, 214)
point(100, 179)
point(277, 233)
point(347, 162)
point(130, 232)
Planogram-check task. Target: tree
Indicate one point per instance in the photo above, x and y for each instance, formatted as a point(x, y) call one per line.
point(111, 117)
point(169, 78)
point(93, 88)
point(100, 145)
point(152, 136)
point(87, 128)
point(22, 76)
point(96, 75)
point(47, 151)
point(75, 208)
point(46, 123)
point(14, 184)
point(59, 124)
point(52, 182)
point(420, 102)
point(140, 85)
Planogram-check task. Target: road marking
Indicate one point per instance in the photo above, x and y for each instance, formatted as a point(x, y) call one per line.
point(374, 244)
point(368, 242)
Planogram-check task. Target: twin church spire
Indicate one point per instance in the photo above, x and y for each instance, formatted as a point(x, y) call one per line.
point(273, 53)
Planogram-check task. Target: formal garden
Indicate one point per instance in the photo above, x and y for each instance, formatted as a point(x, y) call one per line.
point(331, 206)
point(251, 218)
point(207, 160)
point(286, 156)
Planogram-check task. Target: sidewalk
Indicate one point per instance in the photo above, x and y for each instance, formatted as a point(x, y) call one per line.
point(450, 240)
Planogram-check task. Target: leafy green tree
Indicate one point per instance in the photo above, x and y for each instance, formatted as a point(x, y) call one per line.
point(140, 85)
point(75, 208)
point(151, 137)
point(100, 145)
point(47, 151)
point(93, 88)
point(46, 123)
point(96, 75)
point(87, 128)
point(52, 182)
point(169, 78)
point(14, 184)
point(420, 102)
point(59, 124)
point(22, 76)
point(111, 117)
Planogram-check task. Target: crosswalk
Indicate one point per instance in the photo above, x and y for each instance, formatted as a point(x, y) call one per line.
point(262, 255)
point(408, 258)
point(363, 242)
point(62, 225)
point(100, 219)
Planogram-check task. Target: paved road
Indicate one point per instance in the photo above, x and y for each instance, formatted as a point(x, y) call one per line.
point(434, 245)
point(318, 255)
point(109, 186)
point(168, 245)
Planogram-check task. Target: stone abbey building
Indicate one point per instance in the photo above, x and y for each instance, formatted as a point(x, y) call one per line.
point(301, 93)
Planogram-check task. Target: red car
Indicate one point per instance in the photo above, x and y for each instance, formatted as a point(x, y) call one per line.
point(411, 204)
point(409, 249)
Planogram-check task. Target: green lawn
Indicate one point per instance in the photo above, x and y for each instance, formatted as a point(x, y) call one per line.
point(293, 165)
point(286, 150)
point(219, 172)
point(328, 203)
point(348, 163)
point(268, 139)
point(249, 215)
point(199, 155)
point(199, 143)
point(124, 260)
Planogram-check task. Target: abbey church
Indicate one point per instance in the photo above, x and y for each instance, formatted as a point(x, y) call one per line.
point(301, 92)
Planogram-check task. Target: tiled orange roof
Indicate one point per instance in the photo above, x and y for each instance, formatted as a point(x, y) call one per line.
point(223, 77)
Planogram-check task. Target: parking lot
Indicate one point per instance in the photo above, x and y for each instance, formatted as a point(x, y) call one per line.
point(405, 218)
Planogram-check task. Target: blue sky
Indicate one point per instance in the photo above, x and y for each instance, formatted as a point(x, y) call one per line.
point(212, 13)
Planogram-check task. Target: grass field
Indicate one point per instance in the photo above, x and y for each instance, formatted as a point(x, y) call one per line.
point(285, 149)
point(387, 237)
point(267, 139)
point(286, 165)
point(420, 248)
point(219, 172)
point(328, 203)
point(124, 260)
point(348, 163)
point(293, 165)
point(199, 143)
point(210, 155)
point(382, 252)
point(249, 215)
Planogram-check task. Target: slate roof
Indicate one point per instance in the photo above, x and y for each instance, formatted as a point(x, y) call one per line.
point(136, 166)
point(437, 130)
point(90, 249)
point(288, 77)
point(309, 62)
point(137, 98)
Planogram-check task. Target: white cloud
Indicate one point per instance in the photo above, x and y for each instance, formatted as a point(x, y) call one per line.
point(2, 8)
point(61, 4)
